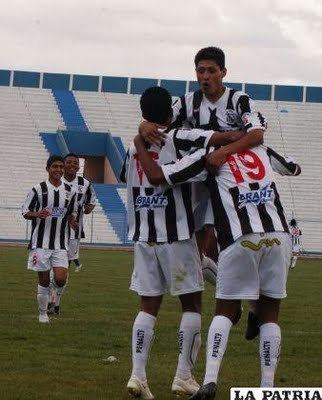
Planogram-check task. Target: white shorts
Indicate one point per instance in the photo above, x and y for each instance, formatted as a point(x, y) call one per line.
point(203, 215)
point(73, 251)
point(296, 248)
point(173, 267)
point(256, 264)
point(43, 259)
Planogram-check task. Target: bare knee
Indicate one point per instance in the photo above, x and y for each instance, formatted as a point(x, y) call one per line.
point(228, 308)
point(151, 305)
point(268, 309)
point(191, 302)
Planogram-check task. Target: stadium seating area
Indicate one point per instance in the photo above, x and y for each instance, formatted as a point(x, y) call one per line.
point(294, 130)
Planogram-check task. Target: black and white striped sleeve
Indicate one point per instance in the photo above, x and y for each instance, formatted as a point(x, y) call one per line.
point(191, 168)
point(251, 117)
point(283, 165)
point(31, 202)
point(125, 166)
point(187, 140)
point(90, 195)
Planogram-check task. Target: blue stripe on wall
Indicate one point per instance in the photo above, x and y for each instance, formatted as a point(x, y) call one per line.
point(69, 110)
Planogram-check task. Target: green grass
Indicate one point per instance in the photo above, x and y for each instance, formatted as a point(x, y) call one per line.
point(64, 360)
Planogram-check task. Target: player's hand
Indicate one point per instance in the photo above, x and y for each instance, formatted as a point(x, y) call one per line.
point(73, 223)
point(44, 213)
point(215, 160)
point(88, 208)
point(151, 133)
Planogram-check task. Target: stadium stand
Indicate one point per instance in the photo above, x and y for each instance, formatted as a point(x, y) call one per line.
point(32, 103)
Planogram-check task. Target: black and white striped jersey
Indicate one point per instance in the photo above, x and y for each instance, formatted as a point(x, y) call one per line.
point(233, 110)
point(85, 195)
point(243, 194)
point(161, 214)
point(52, 232)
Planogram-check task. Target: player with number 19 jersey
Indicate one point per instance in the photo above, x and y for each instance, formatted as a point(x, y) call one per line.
point(243, 194)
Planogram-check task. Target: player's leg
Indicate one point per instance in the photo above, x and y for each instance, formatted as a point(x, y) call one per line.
point(189, 344)
point(43, 295)
point(60, 268)
point(237, 279)
point(149, 284)
point(39, 261)
point(73, 253)
point(294, 259)
point(52, 294)
point(253, 322)
point(181, 266)
point(273, 271)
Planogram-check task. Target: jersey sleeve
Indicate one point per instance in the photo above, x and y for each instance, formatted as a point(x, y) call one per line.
point(191, 168)
point(31, 202)
point(186, 141)
point(125, 167)
point(283, 165)
point(90, 195)
point(251, 118)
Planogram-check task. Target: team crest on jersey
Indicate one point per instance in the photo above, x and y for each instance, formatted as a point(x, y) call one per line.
point(260, 196)
point(231, 117)
point(151, 202)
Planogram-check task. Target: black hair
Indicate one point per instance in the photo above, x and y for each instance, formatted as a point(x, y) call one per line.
point(156, 105)
point(211, 53)
point(53, 159)
point(293, 222)
point(71, 155)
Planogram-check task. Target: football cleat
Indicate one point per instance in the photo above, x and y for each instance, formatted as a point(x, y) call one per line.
point(206, 392)
point(253, 325)
point(56, 310)
point(139, 388)
point(43, 318)
point(51, 308)
point(78, 268)
point(184, 386)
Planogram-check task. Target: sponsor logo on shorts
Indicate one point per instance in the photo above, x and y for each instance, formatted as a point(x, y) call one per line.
point(260, 196)
point(151, 202)
point(34, 259)
point(58, 212)
point(260, 244)
point(216, 344)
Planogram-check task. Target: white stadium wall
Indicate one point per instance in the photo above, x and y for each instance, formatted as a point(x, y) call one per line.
point(294, 130)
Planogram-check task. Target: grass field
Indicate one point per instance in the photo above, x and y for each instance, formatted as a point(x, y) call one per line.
point(64, 360)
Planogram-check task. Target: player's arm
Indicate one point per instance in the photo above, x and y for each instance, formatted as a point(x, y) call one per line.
point(90, 201)
point(283, 165)
point(252, 139)
point(30, 205)
point(174, 173)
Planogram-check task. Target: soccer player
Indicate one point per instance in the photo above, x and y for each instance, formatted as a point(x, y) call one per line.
point(296, 242)
point(254, 240)
point(165, 251)
point(51, 205)
point(86, 201)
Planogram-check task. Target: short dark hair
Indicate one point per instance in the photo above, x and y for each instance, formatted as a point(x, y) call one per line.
point(52, 159)
point(293, 222)
point(71, 155)
point(211, 53)
point(156, 105)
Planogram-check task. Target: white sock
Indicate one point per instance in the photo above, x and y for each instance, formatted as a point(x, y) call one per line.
point(269, 351)
point(142, 336)
point(209, 270)
point(42, 298)
point(216, 346)
point(58, 290)
point(189, 343)
point(293, 261)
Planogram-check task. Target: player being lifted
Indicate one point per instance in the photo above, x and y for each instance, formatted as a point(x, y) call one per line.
point(51, 205)
point(254, 240)
point(165, 252)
